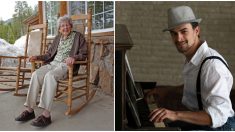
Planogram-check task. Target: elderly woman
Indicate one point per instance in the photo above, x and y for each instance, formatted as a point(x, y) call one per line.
point(67, 47)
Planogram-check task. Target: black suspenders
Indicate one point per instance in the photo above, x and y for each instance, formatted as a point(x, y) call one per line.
point(199, 99)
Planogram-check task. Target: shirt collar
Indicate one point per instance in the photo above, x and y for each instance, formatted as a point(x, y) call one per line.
point(68, 37)
point(198, 56)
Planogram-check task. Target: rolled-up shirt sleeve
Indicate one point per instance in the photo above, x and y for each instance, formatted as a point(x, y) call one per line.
point(215, 82)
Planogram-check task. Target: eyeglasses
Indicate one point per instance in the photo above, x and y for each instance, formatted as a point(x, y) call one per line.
point(64, 25)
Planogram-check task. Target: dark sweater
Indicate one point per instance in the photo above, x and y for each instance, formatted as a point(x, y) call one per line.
point(78, 50)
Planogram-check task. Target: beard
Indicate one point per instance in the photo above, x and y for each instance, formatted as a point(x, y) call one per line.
point(182, 46)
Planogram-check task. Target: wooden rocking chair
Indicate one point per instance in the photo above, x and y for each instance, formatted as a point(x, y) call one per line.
point(77, 87)
point(35, 43)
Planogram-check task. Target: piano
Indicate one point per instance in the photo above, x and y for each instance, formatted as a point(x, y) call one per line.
point(131, 110)
point(137, 114)
point(137, 109)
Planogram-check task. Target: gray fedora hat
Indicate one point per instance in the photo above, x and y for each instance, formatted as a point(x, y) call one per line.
point(180, 15)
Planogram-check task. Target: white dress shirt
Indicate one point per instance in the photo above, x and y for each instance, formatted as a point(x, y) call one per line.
point(216, 84)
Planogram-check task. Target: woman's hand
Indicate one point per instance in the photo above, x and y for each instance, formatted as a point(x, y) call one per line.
point(69, 61)
point(32, 58)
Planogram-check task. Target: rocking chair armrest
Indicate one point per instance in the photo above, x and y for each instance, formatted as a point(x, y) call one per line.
point(80, 62)
point(38, 61)
point(22, 57)
point(33, 64)
point(70, 68)
point(9, 57)
point(19, 58)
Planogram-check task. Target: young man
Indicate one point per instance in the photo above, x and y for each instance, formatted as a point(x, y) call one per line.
point(206, 96)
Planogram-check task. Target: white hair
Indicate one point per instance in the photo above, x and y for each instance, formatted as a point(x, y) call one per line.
point(64, 18)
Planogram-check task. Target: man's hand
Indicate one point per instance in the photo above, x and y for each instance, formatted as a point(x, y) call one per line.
point(160, 114)
point(194, 117)
point(70, 61)
point(32, 58)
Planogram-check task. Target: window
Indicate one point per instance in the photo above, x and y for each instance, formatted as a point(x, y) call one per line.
point(51, 10)
point(77, 7)
point(102, 15)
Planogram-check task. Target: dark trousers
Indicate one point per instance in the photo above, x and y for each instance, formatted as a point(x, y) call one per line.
point(228, 126)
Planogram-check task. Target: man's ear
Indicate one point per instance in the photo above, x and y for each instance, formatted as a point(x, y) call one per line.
point(197, 30)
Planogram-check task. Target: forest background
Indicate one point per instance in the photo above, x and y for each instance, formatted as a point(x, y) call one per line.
point(13, 28)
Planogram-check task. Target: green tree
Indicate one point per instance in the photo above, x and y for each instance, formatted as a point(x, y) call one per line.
point(22, 11)
point(14, 28)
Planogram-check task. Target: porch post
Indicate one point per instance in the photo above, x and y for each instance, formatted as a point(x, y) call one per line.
point(63, 8)
point(40, 12)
